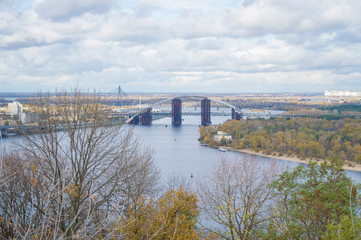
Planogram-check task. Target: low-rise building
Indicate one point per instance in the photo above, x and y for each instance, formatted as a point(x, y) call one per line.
point(218, 137)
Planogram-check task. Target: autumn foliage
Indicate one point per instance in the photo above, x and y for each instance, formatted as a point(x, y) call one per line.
point(300, 137)
point(171, 217)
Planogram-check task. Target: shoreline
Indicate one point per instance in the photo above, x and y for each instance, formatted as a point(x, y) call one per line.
point(356, 167)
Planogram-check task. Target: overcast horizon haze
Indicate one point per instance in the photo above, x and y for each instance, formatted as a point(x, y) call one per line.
point(248, 46)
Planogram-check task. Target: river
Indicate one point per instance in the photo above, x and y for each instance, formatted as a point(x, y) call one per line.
point(177, 151)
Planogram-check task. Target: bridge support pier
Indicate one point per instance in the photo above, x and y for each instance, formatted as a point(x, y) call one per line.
point(236, 115)
point(146, 117)
point(176, 111)
point(206, 112)
point(239, 116)
point(3, 132)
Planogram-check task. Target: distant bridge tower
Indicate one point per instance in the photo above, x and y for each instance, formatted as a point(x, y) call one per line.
point(121, 93)
point(146, 117)
point(176, 111)
point(206, 112)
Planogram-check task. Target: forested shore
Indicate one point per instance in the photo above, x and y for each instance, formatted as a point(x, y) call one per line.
point(302, 138)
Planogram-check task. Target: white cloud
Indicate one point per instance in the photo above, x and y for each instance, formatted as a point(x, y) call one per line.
point(158, 45)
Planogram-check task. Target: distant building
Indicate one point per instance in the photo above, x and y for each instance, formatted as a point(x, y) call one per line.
point(221, 135)
point(15, 109)
point(342, 94)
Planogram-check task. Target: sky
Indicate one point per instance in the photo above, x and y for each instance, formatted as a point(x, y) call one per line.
point(227, 46)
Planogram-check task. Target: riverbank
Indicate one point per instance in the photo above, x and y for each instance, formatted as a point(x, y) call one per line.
point(354, 167)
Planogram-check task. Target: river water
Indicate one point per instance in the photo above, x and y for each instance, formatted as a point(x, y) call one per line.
point(178, 153)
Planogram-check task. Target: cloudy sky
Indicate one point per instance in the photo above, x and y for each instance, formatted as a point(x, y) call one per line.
point(181, 45)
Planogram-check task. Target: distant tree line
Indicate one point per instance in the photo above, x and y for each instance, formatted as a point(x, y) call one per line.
point(344, 108)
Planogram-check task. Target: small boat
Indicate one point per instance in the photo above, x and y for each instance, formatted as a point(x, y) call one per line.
point(223, 149)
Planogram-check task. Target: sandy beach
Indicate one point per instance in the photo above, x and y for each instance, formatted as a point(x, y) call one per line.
point(355, 167)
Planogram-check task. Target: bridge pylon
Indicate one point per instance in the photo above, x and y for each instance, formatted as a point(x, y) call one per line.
point(206, 112)
point(236, 115)
point(146, 117)
point(176, 111)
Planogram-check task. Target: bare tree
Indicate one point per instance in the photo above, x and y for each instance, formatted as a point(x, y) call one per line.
point(234, 198)
point(76, 171)
point(177, 181)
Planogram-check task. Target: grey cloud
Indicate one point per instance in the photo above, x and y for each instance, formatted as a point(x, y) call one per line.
point(258, 18)
point(351, 36)
point(247, 3)
point(62, 10)
point(128, 27)
point(10, 4)
point(23, 43)
point(147, 8)
point(27, 30)
point(191, 24)
point(205, 44)
point(87, 66)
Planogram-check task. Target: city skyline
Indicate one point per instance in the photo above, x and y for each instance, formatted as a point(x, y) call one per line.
point(184, 46)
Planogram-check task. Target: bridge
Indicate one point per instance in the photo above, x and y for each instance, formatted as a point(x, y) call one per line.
point(5, 130)
point(145, 115)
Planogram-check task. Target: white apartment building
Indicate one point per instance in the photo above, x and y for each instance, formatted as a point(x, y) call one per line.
point(15, 108)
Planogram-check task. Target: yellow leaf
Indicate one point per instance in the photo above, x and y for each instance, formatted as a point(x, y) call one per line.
point(74, 192)
point(34, 168)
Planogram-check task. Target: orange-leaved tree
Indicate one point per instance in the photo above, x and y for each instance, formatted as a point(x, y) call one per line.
point(171, 217)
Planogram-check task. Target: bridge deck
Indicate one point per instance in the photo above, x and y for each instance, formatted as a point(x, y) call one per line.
point(191, 114)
